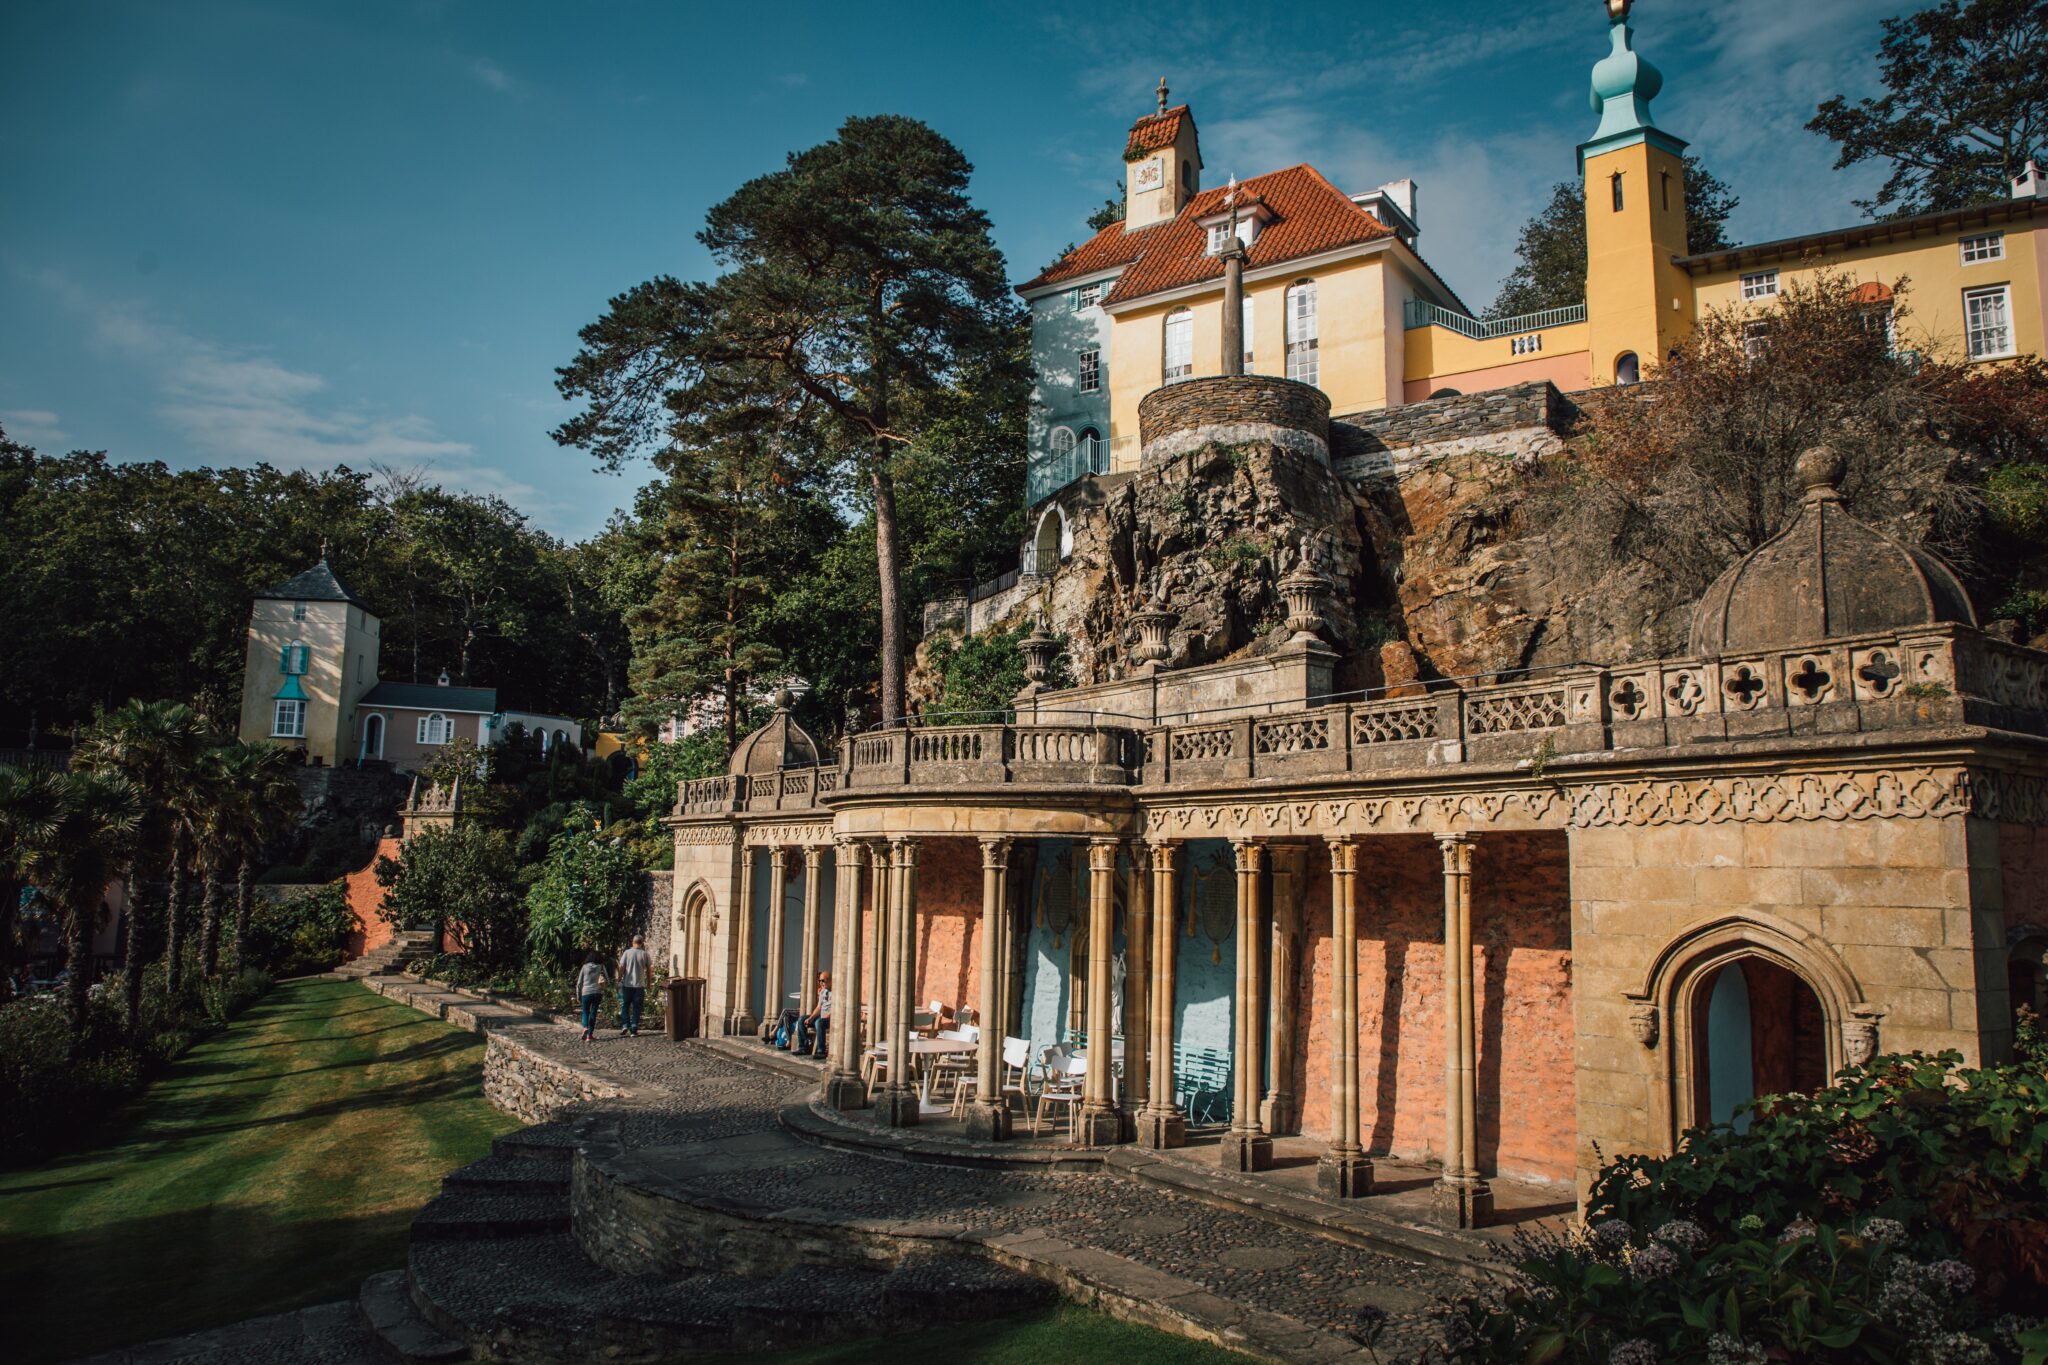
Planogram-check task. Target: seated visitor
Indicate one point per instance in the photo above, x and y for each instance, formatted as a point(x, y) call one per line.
point(818, 1021)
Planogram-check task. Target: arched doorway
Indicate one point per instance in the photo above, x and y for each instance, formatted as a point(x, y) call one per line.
point(1627, 369)
point(373, 736)
point(1049, 546)
point(1758, 1030)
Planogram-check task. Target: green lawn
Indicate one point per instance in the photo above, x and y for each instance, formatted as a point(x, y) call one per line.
point(1069, 1334)
point(271, 1167)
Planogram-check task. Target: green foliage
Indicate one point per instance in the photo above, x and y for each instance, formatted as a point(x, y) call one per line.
point(1111, 211)
point(1376, 628)
point(301, 934)
point(459, 878)
point(978, 677)
point(1885, 1218)
point(1965, 104)
point(2017, 494)
point(2029, 607)
point(589, 894)
point(652, 791)
point(1239, 550)
point(138, 578)
point(1551, 272)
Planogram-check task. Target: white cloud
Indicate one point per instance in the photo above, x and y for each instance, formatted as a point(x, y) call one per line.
point(235, 405)
point(492, 76)
point(33, 426)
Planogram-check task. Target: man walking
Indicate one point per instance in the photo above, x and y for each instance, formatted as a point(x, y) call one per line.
point(633, 969)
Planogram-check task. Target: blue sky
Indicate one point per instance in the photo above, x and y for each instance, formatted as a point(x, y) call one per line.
point(366, 233)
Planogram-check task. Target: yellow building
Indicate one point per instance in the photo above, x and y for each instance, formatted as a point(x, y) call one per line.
point(1337, 294)
point(312, 657)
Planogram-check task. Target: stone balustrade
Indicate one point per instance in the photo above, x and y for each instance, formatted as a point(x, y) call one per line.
point(978, 755)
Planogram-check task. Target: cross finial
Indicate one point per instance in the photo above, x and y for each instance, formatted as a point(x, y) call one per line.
point(1162, 94)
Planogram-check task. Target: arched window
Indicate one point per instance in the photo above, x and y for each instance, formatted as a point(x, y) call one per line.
point(1089, 448)
point(1062, 443)
point(1627, 369)
point(1303, 358)
point(435, 729)
point(1179, 345)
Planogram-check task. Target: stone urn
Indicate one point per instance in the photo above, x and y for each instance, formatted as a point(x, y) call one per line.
point(1306, 591)
point(1155, 625)
point(1039, 649)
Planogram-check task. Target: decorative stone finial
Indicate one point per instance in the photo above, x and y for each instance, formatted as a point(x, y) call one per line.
point(1617, 10)
point(1624, 82)
point(1039, 649)
point(1820, 472)
point(1162, 94)
point(1307, 590)
point(1155, 621)
point(783, 699)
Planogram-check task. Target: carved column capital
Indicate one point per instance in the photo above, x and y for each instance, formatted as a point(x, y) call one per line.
point(995, 852)
point(903, 850)
point(1102, 854)
point(1165, 854)
point(1457, 851)
point(1343, 853)
point(814, 857)
point(1251, 854)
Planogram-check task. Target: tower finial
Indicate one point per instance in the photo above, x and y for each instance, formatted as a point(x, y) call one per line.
point(1617, 10)
point(323, 547)
point(1162, 94)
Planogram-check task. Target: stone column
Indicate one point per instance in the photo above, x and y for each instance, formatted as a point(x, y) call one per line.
point(740, 1019)
point(814, 887)
point(1246, 1147)
point(1101, 1123)
point(1162, 1124)
point(988, 1118)
point(878, 997)
point(771, 984)
point(1461, 1198)
point(1137, 1088)
point(843, 1089)
point(1280, 1112)
point(1345, 1171)
point(899, 1100)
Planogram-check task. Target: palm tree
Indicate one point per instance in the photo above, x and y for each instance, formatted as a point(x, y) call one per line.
point(69, 835)
point(216, 816)
point(154, 745)
point(269, 805)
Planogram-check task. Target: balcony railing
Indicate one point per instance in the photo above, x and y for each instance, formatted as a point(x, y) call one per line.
point(1422, 313)
point(976, 755)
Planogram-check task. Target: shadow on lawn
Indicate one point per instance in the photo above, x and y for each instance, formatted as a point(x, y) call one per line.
point(133, 1280)
point(175, 1118)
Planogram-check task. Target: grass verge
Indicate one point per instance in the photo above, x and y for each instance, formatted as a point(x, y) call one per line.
point(272, 1166)
point(1070, 1334)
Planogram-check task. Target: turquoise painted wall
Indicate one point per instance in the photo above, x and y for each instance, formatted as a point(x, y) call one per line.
point(1054, 907)
point(1731, 1078)
point(1205, 981)
point(757, 970)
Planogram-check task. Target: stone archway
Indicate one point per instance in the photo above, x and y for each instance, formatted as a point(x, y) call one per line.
point(1757, 1030)
point(1672, 1014)
point(693, 930)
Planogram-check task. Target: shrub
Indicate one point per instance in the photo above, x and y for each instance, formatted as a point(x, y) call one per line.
point(301, 934)
point(461, 877)
point(1888, 1218)
point(588, 895)
point(978, 677)
point(1237, 550)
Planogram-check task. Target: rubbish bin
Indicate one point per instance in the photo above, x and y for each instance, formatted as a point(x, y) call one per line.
point(685, 1006)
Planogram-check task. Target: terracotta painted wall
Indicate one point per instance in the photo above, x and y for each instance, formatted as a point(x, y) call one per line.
point(1521, 943)
point(948, 922)
point(364, 896)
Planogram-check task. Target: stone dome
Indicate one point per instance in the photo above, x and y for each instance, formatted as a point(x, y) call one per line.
point(779, 744)
point(1825, 575)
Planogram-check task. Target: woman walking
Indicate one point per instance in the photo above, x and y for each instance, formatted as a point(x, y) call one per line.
point(590, 990)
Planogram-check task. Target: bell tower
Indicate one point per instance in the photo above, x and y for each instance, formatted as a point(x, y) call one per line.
point(1162, 164)
point(1639, 305)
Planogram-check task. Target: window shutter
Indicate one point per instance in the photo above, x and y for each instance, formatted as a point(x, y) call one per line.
point(284, 658)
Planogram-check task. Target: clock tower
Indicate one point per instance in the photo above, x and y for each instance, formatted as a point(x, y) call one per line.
point(1162, 164)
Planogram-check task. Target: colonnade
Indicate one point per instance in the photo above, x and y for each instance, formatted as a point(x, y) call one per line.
point(1265, 1028)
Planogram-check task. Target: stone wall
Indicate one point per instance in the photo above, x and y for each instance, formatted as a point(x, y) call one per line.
point(1522, 420)
point(1233, 410)
point(1881, 917)
point(533, 1088)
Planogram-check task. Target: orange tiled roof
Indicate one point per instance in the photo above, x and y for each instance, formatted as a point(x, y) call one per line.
point(1108, 248)
point(1154, 131)
point(1310, 216)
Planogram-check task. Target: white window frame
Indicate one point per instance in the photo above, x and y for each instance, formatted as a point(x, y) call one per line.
point(1245, 330)
point(2001, 294)
point(1177, 346)
point(1759, 284)
point(1982, 247)
point(1756, 338)
point(434, 728)
point(1088, 296)
point(297, 658)
point(1088, 370)
point(1061, 442)
point(1304, 344)
point(298, 611)
point(288, 718)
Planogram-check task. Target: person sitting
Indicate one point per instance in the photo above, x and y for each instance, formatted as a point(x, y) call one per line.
point(818, 1021)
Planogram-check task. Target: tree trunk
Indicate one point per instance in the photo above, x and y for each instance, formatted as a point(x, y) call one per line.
point(174, 918)
point(77, 962)
point(245, 909)
point(209, 923)
point(895, 626)
point(136, 956)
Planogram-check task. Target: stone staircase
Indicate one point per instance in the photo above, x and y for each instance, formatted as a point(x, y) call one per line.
point(404, 947)
point(494, 1273)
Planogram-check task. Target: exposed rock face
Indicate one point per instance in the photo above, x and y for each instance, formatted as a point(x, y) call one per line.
point(1211, 532)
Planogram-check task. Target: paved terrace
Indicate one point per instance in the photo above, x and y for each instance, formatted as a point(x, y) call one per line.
point(716, 1141)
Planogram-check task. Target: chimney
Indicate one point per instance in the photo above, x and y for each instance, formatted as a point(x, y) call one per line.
point(1401, 194)
point(2028, 186)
